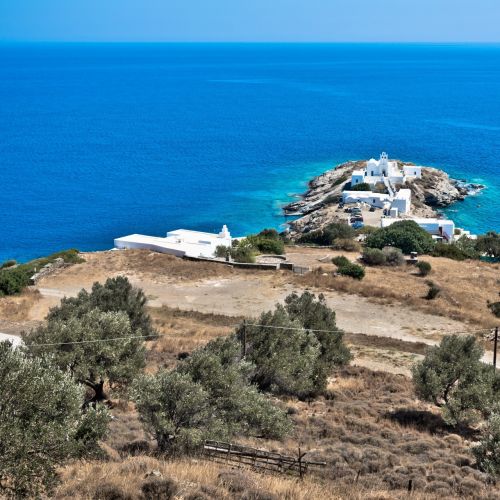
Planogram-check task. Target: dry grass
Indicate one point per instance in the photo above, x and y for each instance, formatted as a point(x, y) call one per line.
point(369, 429)
point(183, 331)
point(16, 308)
point(157, 265)
point(193, 479)
point(466, 286)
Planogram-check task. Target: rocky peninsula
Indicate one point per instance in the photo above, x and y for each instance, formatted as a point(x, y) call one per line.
point(319, 205)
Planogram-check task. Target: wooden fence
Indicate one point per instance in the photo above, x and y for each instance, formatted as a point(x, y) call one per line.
point(259, 459)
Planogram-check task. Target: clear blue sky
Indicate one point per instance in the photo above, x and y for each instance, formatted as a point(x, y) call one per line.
point(251, 20)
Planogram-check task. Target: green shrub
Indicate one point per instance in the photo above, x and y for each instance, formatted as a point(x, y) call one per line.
point(489, 244)
point(243, 251)
point(327, 235)
point(346, 244)
point(373, 256)
point(433, 291)
point(488, 452)
point(448, 251)
point(341, 260)
point(8, 263)
point(267, 245)
point(222, 251)
point(353, 270)
point(424, 267)
point(393, 256)
point(343, 178)
point(362, 186)
point(406, 235)
point(14, 279)
point(314, 314)
point(332, 199)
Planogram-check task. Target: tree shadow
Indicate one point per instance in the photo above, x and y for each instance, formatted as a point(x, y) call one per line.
point(426, 421)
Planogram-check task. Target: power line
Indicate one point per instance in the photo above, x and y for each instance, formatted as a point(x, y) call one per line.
point(277, 327)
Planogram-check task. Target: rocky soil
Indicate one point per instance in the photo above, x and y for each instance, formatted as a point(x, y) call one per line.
point(317, 207)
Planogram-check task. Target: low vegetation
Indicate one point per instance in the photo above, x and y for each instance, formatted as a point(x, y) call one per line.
point(347, 268)
point(424, 267)
point(433, 291)
point(267, 241)
point(14, 278)
point(328, 235)
point(406, 235)
point(362, 186)
point(388, 256)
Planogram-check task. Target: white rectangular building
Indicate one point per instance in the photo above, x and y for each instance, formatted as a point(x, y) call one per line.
point(181, 242)
point(439, 229)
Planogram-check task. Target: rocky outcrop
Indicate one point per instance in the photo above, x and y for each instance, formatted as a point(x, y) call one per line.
point(436, 189)
point(319, 205)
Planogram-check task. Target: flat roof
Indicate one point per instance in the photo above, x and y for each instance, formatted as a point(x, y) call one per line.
point(191, 232)
point(166, 242)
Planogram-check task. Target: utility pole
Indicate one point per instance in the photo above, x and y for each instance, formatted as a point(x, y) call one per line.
point(495, 343)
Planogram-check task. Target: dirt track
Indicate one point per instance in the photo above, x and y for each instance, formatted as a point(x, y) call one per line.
point(212, 288)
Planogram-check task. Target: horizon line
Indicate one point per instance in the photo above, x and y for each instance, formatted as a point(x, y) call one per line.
point(249, 42)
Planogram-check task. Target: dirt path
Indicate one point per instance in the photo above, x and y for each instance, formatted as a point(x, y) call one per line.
point(211, 288)
point(252, 294)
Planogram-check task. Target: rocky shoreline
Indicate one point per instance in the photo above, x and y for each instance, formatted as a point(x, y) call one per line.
point(319, 205)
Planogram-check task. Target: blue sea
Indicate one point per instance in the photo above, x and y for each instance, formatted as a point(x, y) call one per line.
point(102, 140)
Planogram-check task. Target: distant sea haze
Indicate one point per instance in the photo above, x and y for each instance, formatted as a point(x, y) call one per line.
point(100, 141)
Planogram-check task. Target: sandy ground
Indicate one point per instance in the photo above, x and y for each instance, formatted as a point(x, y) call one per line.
point(212, 288)
point(237, 293)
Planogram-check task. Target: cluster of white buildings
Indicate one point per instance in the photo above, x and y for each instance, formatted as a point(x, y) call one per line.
point(181, 242)
point(387, 173)
point(395, 201)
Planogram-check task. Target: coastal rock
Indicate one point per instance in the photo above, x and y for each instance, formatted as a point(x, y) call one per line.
point(317, 207)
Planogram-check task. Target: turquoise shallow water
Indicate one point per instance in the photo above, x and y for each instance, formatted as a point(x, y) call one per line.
point(99, 141)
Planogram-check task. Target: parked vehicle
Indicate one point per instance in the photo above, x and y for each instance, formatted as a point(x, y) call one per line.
point(358, 225)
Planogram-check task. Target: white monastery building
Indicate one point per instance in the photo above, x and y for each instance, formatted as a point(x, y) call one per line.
point(181, 242)
point(383, 170)
point(396, 202)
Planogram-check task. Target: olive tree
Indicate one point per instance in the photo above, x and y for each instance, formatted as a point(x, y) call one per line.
point(314, 315)
point(95, 347)
point(41, 423)
point(487, 453)
point(453, 377)
point(117, 294)
point(286, 356)
point(207, 396)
